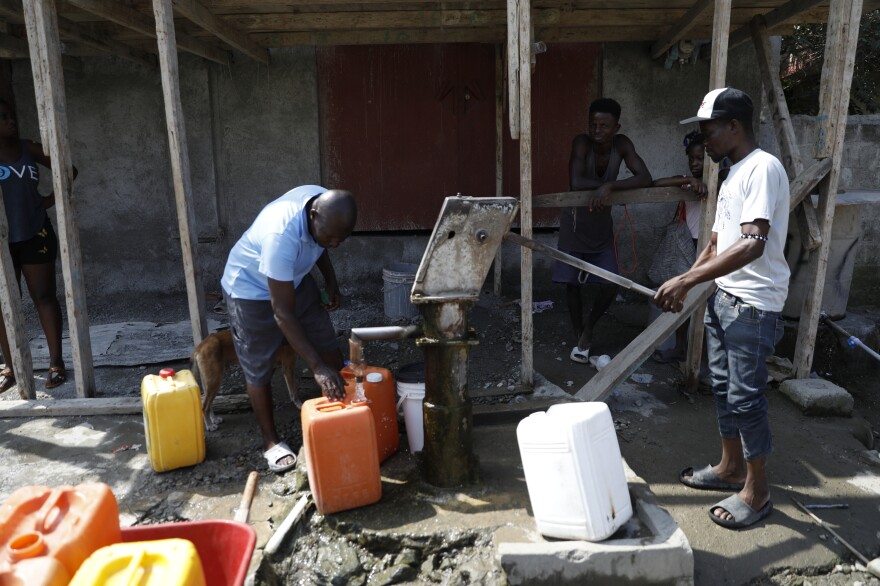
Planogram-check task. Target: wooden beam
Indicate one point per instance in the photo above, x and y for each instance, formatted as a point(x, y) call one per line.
point(74, 32)
point(626, 196)
point(13, 318)
point(631, 358)
point(443, 16)
point(228, 7)
point(677, 31)
point(45, 48)
point(804, 184)
point(499, 154)
point(589, 34)
point(180, 172)
point(837, 72)
point(513, 67)
point(383, 37)
point(196, 12)
point(785, 13)
point(524, 13)
point(103, 406)
point(785, 136)
point(717, 76)
point(16, 48)
point(128, 17)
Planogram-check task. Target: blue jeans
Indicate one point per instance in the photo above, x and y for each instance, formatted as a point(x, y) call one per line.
point(739, 338)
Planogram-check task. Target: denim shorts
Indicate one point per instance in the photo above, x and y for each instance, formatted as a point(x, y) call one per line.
point(257, 337)
point(739, 338)
point(569, 275)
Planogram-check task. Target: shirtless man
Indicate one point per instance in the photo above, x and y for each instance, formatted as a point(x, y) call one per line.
point(588, 232)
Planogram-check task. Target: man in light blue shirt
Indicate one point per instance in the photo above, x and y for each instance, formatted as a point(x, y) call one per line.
point(271, 297)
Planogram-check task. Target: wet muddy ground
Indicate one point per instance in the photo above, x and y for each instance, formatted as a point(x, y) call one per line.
point(660, 432)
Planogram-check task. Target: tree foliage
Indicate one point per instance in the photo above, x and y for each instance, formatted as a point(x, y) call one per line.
point(801, 67)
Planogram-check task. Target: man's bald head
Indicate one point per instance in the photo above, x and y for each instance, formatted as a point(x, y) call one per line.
point(332, 217)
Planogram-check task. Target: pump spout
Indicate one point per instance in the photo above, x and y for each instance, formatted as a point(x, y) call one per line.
point(361, 335)
point(384, 333)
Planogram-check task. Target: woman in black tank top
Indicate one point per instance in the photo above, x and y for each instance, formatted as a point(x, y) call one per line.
point(32, 242)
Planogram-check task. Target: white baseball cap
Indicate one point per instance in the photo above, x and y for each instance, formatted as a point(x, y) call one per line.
point(725, 103)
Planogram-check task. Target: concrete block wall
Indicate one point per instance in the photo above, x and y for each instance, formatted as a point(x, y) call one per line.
point(860, 171)
point(252, 134)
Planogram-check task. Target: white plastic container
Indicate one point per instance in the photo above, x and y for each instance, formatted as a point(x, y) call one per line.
point(412, 396)
point(574, 471)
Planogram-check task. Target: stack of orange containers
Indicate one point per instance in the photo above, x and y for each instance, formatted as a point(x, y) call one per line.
point(47, 533)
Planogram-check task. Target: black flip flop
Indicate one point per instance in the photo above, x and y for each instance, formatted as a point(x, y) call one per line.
point(7, 380)
point(706, 479)
point(57, 377)
point(743, 515)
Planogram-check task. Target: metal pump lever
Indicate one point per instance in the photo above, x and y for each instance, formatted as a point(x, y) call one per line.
point(579, 264)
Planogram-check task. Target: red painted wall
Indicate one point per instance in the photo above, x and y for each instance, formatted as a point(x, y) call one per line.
point(404, 126)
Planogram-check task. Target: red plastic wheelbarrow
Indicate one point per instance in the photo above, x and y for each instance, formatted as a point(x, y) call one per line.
point(225, 547)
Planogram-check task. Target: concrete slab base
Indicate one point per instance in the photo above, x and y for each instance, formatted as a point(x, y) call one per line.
point(818, 397)
point(650, 549)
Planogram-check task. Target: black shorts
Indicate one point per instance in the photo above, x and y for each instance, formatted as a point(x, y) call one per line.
point(257, 337)
point(40, 249)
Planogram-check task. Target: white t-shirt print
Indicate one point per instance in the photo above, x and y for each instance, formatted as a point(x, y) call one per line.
point(756, 188)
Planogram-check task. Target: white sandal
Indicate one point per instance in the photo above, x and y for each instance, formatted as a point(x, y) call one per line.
point(578, 355)
point(277, 453)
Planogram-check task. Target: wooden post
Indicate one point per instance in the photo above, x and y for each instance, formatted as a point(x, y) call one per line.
point(10, 302)
point(525, 188)
point(513, 67)
point(499, 152)
point(180, 166)
point(807, 223)
point(837, 71)
point(42, 28)
point(717, 75)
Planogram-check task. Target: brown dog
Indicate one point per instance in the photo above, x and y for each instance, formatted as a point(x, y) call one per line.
point(215, 353)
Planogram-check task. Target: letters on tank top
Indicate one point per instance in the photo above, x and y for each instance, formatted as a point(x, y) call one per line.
point(24, 204)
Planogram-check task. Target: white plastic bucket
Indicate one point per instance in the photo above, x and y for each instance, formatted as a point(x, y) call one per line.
point(412, 395)
point(398, 280)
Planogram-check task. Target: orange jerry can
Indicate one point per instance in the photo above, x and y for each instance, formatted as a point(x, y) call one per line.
point(40, 571)
point(67, 523)
point(341, 454)
point(173, 424)
point(380, 392)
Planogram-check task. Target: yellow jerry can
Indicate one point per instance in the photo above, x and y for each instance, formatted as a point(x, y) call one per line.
point(167, 562)
point(173, 423)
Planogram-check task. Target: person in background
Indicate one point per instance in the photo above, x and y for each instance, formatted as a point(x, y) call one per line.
point(587, 232)
point(32, 241)
point(690, 213)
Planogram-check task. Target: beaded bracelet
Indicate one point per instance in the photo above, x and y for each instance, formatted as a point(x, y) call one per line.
point(760, 237)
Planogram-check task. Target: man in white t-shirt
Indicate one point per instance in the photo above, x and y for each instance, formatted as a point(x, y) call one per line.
point(745, 258)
